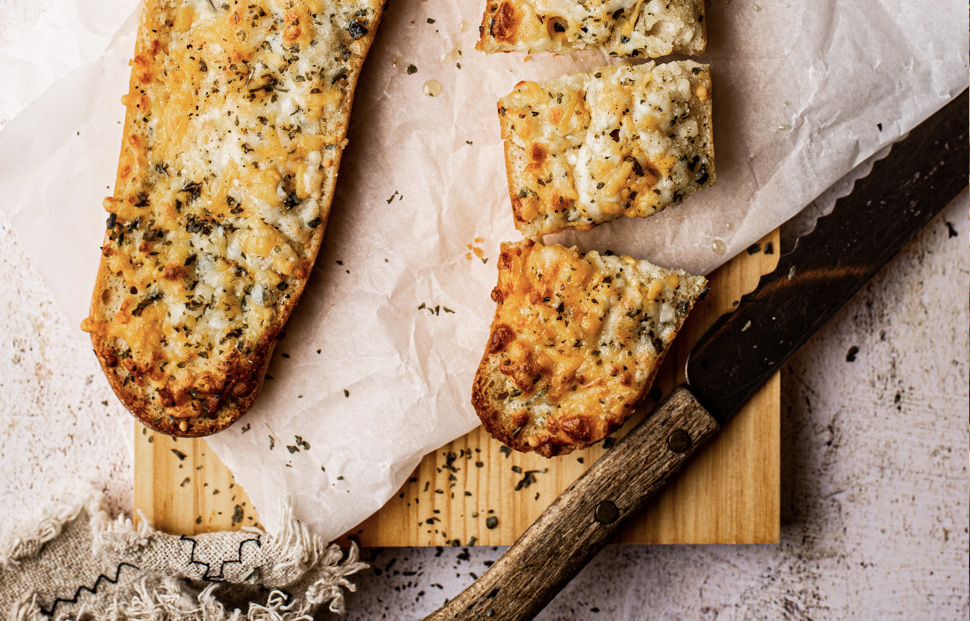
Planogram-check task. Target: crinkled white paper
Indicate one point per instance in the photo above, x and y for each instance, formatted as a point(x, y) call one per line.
point(381, 351)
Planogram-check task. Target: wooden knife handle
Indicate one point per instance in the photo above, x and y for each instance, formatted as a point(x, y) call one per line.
point(581, 520)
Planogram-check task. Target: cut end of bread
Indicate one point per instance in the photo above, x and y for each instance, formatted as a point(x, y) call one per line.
point(575, 343)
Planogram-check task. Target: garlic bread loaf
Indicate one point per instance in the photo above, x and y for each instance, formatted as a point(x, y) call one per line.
point(575, 343)
point(619, 141)
point(650, 28)
point(237, 115)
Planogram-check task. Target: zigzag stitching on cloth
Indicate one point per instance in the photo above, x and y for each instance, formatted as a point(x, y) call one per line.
point(192, 560)
point(219, 577)
point(92, 590)
point(238, 559)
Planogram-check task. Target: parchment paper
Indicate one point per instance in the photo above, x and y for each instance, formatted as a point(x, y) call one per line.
point(376, 367)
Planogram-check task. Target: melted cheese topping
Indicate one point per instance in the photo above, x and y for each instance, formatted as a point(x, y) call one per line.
point(651, 28)
point(233, 134)
point(577, 337)
point(622, 140)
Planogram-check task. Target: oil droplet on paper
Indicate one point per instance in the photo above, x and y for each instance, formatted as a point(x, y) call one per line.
point(452, 56)
point(464, 26)
point(402, 65)
point(719, 247)
point(432, 88)
point(730, 226)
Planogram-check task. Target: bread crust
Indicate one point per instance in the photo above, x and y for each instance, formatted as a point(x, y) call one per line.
point(210, 392)
point(575, 344)
point(244, 387)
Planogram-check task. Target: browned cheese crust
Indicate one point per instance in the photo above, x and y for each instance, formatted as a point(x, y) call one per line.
point(618, 141)
point(618, 27)
point(575, 343)
point(236, 120)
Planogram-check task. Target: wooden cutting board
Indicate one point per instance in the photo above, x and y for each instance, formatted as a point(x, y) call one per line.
point(473, 491)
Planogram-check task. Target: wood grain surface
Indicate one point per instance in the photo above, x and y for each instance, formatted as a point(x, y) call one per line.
point(577, 525)
point(182, 487)
point(474, 492)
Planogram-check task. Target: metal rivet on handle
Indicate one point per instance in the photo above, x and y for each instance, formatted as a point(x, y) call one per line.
point(679, 441)
point(606, 512)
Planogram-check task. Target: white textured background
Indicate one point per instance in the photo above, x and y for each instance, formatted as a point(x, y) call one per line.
point(874, 458)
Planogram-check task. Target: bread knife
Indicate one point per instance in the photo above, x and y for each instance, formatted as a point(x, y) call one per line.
point(921, 175)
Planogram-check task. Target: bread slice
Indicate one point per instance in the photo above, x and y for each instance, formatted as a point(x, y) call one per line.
point(575, 343)
point(619, 28)
point(619, 141)
point(237, 116)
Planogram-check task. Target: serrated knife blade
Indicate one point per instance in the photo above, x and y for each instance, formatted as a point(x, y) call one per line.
point(921, 175)
point(903, 192)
